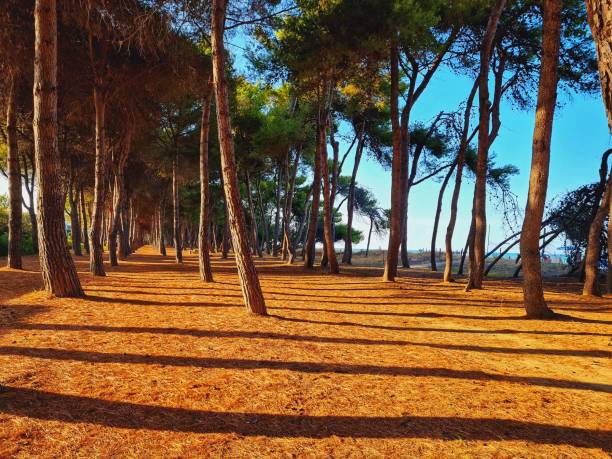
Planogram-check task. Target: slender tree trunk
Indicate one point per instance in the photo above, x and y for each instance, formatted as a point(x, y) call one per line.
point(264, 221)
point(406, 182)
point(593, 250)
point(84, 220)
point(203, 247)
point(327, 204)
point(278, 210)
point(599, 14)
point(162, 226)
point(533, 292)
point(369, 237)
point(450, 229)
point(58, 271)
point(465, 249)
point(289, 251)
point(74, 217)
point(247, 274)
point(176, 208)
point(434, 234)
point(482, 161)
point(309, 249)
point(256, 249)
point(347, 256)
point(96, 261)
point(14, 178)
point(396, 182)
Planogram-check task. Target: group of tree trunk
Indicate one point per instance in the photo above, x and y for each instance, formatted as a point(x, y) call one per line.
point(114, 220)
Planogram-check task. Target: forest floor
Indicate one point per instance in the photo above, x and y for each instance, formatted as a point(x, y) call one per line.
point(154, 363)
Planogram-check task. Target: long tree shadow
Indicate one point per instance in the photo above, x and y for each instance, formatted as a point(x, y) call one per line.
point(77, 409)
point(303, 367)
point(199, 333)
point(415, 314)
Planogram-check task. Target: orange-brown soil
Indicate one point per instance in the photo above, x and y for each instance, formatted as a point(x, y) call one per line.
point(154, 362)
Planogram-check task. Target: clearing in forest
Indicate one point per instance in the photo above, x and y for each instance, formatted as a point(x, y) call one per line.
point(155, 362)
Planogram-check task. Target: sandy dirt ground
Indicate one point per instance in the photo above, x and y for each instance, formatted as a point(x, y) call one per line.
point(155, 363)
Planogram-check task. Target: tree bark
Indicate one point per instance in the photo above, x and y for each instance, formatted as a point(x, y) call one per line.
point(203, 247)
point(289, 249)
point(176, 209)
point(247, 274)
point(96, 261)
point(434, 234)
point(396, 225)
point(75, 226)
point(482, 163)
point(347, 256)
point(450, 229)
point(327, 204)
point(84, 220)
point(14, 177)
point(309, 249)
point(369, 236)
point(255, 248)
point(533, 292)
point(591, 261)
point(58, 271)
point(599, 13)
point(278, 209)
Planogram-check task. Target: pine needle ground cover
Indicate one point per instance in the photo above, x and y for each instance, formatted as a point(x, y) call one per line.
point(154, 362)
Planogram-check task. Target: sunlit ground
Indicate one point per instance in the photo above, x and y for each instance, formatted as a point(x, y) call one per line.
point(156, 363)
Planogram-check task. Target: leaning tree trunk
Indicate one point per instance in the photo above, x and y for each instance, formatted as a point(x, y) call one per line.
point(309, 249)
point(450, 229)
point(176, 208)
point(482, 162)
point(58, 271)
point(327, 204)
point(533, 292)
point(96, 261)
point(395, 230)
point(288, 249)
point(247, 274)
point(591, 261)
point(434, 234)
point(599, 14)
point(347, 256)
point(14, 178)
point(203, 248)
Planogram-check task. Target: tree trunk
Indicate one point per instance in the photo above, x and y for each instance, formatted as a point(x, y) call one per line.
point(264, 221)
point(255, 248)
point(465, 249)
point(434, 234)
point(278, 210)
point(58, 271)
point(203, 247)
point(369, 237)
point(84, 220)
point(289, 250)
point(533, 292)
point(450, 229)
point(247, 274)
point(96, 262)
point(405, 181)
point(162, 226)
point(327, 204)
point(74, 217)
point(599, 14)
point(396, 225)
point(309, 249)
point(176, 209)
point(14, 178)
point(482, 163)
point(347, 256)
point(591, 261)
